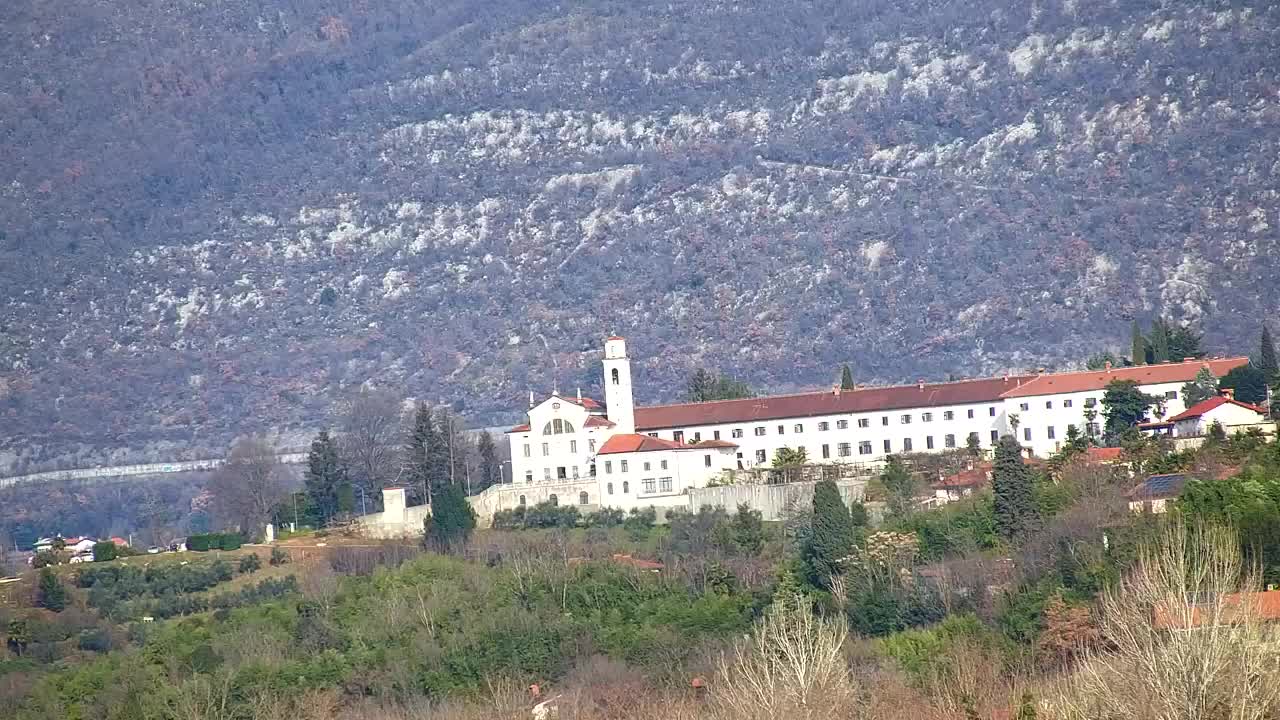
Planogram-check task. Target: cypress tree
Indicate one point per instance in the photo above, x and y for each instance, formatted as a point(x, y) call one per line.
point(846, 378)
point(832, 536)
point(490, 468)
point(50, 594)
point(1267, 361)
point(1015, 508)
point(324, 476)
point(1139, 344)
point(1159, 341)
point(451, 520)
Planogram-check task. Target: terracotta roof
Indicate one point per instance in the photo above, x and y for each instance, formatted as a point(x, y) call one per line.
point(635, 442)
point(1266, 606)
point(827, 402)
point(597, 421)
point(587, 403)
point(1141, 374)
point(1212, 403)
point(519, 428)
point(636, 562)
point(1104, 455)
point(971, 477)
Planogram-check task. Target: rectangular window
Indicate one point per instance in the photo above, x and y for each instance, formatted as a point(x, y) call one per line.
point(650, 485)
point(646, 467)
point(991, 411)
point(591, 469)
point(928, 442)
point(761, 456)
point(662, 464)
point(561, 474)
point(1066, 403)
point(970, 413)
point(546, 473)
point(888, 446)
point(995, 437)
point(546, 449)
point(574, 470)
point(1052, 434)
point(844, 449)
point(1090, 402)
point(678, 436)
point(736, 432)
point(609, 488)
point(973, 438)
point(608, 467)
point(622, 466)
point(826, 452)
point(905, 419)
point(906, 444)
point(1026, 434)
point(1048, 404)
point(653, 434)
point(626, 487)
point(528, 476)
point(1093, 429)
point(926, 417)
point(884, 420)
point(664, 484)
point(527, 452)
point(760, 431)
point(1024, 407)
point(782, 429)
point(798, 428)
point(573, 447)
point(706, 461)
point(697, 437)
point(949, 441)
point(1171, 395)
point(948, 415)
point(715, 434)
point(864, 447)
point(824, 426)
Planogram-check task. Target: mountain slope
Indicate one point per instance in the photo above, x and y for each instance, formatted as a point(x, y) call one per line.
point(219, 216)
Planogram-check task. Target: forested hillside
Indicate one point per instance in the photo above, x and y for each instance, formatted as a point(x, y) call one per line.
point(215, 217)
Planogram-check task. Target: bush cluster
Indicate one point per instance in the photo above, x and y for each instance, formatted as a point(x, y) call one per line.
point(214, 541)
point(549, 515)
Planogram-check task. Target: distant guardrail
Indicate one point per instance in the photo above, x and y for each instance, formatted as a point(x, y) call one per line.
point(159, 468)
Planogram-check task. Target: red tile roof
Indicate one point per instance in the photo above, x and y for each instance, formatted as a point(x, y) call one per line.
point(597, 421)
point(1264, 605)
point(1141, 374)
point(1104, 455)
point(587, 403)
point(519, 428)
point(1212, 403)
point(635, 442)
point(973, 477)
point(826, 402)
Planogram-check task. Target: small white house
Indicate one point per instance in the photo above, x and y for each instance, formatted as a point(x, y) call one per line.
point(1225, 410)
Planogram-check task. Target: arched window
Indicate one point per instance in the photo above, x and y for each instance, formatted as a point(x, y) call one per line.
point(553, 500)
point(557, 427)
point(582, 498)
point(522, 502)
point(609, 488)
point(614, 374)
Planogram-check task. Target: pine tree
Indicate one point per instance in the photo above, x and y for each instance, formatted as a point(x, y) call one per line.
point(1267, 361)
point(490, 468)
point(1014, 494)
point(900, 485)
point(50, 594)
point(846, 378)
point(831, 538)
point(1185, 343)
point(451, 520)
point(1139, 345)
point(1124, 406)
point(702, 386)
point(420, 441)
point(324, 476)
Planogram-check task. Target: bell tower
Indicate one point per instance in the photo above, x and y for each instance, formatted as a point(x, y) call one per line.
point(617, 385)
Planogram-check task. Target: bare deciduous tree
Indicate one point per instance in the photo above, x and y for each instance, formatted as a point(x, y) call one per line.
point(1186, 642)
point(248, 485)
point(370, 436)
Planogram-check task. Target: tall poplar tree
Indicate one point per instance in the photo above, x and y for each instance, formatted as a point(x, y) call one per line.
point(1014, 493)
point(846, 378)
point(831, 538)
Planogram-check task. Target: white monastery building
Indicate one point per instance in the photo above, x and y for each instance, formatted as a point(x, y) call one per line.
point(575, 450)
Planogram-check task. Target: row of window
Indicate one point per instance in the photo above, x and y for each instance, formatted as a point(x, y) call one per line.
point(583, 499)
point(573, 448)
point(865, 448)
point(1093, 430)
point(824, 426)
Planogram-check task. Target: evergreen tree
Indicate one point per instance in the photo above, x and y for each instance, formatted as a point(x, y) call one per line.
point(448, 461)
point(1139, 345)
point(1203, 387)
point(451, 520)
point(1249, 383)
point(748, 530)
point(973, 445)
point(50, 594)
point(1158, 340)
point(900, 487)
point(705, 386)
point(325, 476)
point(490, 467)
point(1124, 406)
point(1185, 343)
point(831, 538)
point(420, 441)
point(1267, 361)
point(1014, 493)
point(846, 378)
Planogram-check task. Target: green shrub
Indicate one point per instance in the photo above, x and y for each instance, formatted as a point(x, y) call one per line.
point(250, 563)
point(105, 551)
point(279, 556)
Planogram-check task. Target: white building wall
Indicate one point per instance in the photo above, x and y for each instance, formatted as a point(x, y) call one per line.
point(1228, 415)
point(543, 458)
point(1042, 420)
point(883, 432)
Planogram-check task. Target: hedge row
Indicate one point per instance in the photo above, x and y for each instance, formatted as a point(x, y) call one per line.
point(215, 541)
